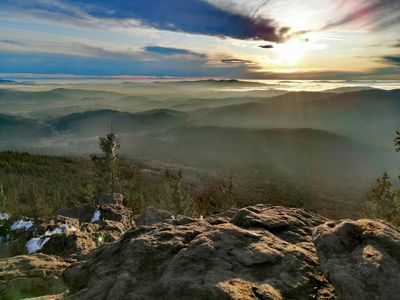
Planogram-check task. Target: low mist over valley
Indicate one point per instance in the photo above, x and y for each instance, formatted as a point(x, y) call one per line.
point(328, 139)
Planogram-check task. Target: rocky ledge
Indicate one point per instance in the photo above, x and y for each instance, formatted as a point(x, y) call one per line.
point(72, 232)
point(258, 252)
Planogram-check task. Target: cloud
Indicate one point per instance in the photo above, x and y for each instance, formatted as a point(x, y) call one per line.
point(194, 16)
point(170, 51)
point(11, 42)
point(388, 73)
point(392, 59)
point(169, 65)
point(396, 45)
point(97, 62)
point(260, 6)
point(266, 46)
point(381, 14)
point(235, 61)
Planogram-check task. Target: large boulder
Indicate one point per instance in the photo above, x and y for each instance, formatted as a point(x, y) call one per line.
point(13, 235)
point(83, 213)
point(114, 198)
point(117, 213)
point(241, 257)
point(110, 223)
point(31, 276)
point(361, 258)
point(153, 215)
point(289, 224)
point(57, 221)
point(69, 244)
point(72, 232)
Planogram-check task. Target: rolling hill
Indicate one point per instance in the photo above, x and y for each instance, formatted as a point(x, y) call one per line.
point(14, 128)
point(305, 152)
point(95, 123)
point(369, 116)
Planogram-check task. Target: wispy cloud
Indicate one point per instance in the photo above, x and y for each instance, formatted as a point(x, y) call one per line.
point(236, 61)
point(171, 51)
point(381, 73)
point(11, 42)
point(380, 14)
point(98, 61)
point(260, 6)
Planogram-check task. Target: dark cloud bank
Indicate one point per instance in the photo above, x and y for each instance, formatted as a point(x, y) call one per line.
point(194, 16)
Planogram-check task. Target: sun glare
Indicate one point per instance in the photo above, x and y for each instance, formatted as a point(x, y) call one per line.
point(291, 52)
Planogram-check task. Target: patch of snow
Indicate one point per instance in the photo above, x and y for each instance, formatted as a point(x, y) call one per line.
point(59, 230)
point(21, 224)
point(4, 216)
point(96, 216)
point(35, 244)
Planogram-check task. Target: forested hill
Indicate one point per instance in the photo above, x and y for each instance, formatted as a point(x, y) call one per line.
point(38, 185)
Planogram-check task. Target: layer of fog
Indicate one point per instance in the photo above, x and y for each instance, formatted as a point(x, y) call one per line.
point(342, 136)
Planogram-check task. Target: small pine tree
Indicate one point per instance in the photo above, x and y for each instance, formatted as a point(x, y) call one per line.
point(107, 167)
point(384, 201)
point(87, 194)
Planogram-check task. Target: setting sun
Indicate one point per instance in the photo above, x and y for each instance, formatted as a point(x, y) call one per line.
point(291, 52)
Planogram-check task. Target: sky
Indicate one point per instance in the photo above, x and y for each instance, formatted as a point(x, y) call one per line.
point(254, 39)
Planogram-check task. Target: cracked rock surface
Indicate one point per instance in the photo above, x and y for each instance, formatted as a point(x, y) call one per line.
point(262, 252)
point(28, 276)
point(257, 252)
point(361, 258)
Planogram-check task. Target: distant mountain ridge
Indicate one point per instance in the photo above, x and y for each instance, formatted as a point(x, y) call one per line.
point(348, 114)
point(6, 81)
point(218, 82)
point(97, 122)
point(14, 128)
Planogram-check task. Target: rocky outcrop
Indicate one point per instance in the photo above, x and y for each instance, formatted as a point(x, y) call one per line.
point(114, 198)
point(152, 216)
point(112, 221)
point(361, 258)
point(71, 233)
point(257, 252)
point(13, 235)
point(84, 213)
point(263, 252)
point(31, 276)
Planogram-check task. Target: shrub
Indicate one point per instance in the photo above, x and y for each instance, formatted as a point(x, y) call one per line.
point(384, 202)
